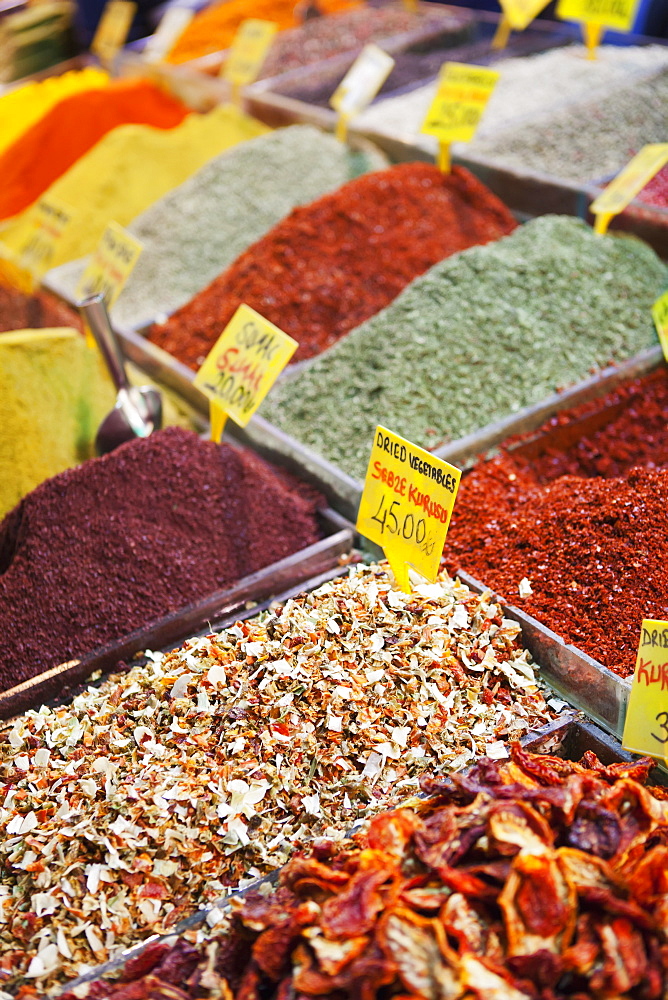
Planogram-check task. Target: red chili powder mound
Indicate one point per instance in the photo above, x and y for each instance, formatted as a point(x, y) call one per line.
point(586, 542)
point(120, 541)
point(332, 264)
point(40, 155)
point(33, 312)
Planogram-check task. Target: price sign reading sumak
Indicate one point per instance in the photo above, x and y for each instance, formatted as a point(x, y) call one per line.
point(244, 363)
point(616, 14)
point(646, 725)
point(462, 96)
point(660, 317)
point(110, 266)
point(406, 505)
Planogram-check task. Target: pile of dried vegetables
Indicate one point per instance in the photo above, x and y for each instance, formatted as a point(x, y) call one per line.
point(534, 879)
point(154, 791)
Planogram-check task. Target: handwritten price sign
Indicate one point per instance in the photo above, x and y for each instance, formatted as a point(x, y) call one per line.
point(244, 363)
point(646, 725)
point(461, 99)
point(406, 505)
point(110, 266)
point(617, 14)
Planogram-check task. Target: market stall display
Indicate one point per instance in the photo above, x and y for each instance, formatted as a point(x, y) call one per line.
point(40, 155)
point(476, 338)
point(215, 215)
point(129, 169)
point(216, 514)
point(521, 879)
point(334, 263)
point(151, 792)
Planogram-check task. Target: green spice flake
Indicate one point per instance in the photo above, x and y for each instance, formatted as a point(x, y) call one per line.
point(477, 338)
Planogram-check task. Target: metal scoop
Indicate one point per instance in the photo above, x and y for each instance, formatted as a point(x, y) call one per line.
point(138, 411)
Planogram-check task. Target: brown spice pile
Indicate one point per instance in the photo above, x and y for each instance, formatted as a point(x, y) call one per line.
point(152, 793)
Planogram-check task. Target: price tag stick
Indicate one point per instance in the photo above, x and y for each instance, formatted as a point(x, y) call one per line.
point(444, 160)
point(218, 419)
point(628, 183)
point(593, 34)
point(502, 33)
point(406, 505)
point(341, 130)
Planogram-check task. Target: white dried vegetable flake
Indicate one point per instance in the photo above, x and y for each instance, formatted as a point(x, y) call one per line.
point(166, 785)
point(524, 588)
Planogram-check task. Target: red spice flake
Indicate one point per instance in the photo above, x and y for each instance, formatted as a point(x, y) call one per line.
point(592, 543)
point(331, 265)
point(528, 879)
point(120, 541)
point(656, 192)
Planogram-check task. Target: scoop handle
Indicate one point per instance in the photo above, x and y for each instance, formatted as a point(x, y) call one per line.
point(95, 314)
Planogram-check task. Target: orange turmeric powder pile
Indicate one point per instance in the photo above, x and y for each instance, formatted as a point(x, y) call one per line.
point(215, 27)
point(46, 150)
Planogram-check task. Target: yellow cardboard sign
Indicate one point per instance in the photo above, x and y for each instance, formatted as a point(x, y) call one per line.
point(113, 28)
point(244, 363)
point(362, 81)
point(616, 14)
point(637, 173)
point(660, 317)
point(249, 50)
point(110, 266)
point(406, 504)
point(462, 96)
point(646, 725)
point(520, 13)
point(33, 248)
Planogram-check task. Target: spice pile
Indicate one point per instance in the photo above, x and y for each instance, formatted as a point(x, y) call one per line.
point(125, 539)
point(586, 557)
point(322, 37)
point(46, 150)
point(529, 86)
point(151, 793)
point(22, 312)
point(330, 265)
point(214, 27)
point(656, 192)
point(130, 168)
point(530, 879)
point(202, 226)
point(478, 337)
point(591, 139)
point(23, 106)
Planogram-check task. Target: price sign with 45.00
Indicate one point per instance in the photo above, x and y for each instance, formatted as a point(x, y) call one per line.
point(406, 505)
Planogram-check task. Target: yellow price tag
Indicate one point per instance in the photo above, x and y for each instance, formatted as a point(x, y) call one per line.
point(113, 28)
point(35, 245)
point(520, 13)
point(616, 14)
point(244, 363)
point(406, 505)
point(462, 96)
point(660, 317)
point(646, 725)
point(628, 183)
point(110, 266)
point(249, 50)
point(362, 81)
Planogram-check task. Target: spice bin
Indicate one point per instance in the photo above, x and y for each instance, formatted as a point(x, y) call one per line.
point(569, 738)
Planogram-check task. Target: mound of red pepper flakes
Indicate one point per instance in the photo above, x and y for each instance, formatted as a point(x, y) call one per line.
point(531, 879)
point(591, 552)
point(332, 264)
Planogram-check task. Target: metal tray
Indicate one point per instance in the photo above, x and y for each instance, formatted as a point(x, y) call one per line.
point(567, 737)
point(166, 632)
point(270, 101)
